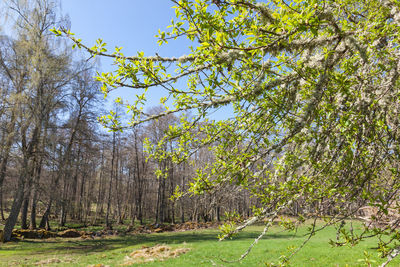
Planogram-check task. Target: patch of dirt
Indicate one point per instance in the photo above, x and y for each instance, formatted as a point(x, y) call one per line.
point(19, 234)
point(52, 261)
point(150, 254)
point(70, 233)
point(33, 234)
point(159, 228)
point(48, 261)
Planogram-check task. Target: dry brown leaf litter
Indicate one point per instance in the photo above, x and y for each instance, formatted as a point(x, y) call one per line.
point(150, 254)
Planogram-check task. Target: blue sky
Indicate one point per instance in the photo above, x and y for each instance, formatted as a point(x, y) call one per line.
point(131, 24)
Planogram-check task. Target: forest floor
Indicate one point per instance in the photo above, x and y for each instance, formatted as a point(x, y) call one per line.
point(187, 248)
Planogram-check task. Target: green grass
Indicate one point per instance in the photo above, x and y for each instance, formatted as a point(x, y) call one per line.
point(205, 249)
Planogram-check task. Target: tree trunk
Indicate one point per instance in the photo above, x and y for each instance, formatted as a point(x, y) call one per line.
point(99, 202)
point(15, 208)
point(117, 187)
point(80, 205)
point(23, 177)
point(182, 202)
point(140, 170)
point(32, 224)
point(171, 180)
point(108, 222)
point(7, 148)
point(63, 204)
point(24, 211)
point(63, 215)
point(1, 204)
point(44, 223)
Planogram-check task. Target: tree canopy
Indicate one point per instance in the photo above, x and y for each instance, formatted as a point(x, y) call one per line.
point(314, 88)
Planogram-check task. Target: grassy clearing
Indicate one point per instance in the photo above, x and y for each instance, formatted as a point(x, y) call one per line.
point(204, 250)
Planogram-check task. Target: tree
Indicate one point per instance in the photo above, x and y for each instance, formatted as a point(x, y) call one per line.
point(155, 134)
point(38, 70)
point(314, 90)
point(137, 168)
point(83, 96)
point(13, 73)
point(48, 147)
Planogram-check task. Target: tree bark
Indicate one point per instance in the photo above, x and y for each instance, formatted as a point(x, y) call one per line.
point(24, 211)
point(44, 223)
point(16, 206)
point(1, 204)
point(117, 186)
point(99, 202)
point(108, 222)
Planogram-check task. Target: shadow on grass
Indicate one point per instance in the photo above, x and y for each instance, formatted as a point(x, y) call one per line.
point(79, 246)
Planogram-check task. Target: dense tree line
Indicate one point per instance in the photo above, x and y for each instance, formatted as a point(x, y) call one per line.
point(314, 89)
point(56, 163)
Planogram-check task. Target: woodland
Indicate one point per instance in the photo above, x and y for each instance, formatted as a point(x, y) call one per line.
point(57, 164)
point(312, 140)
